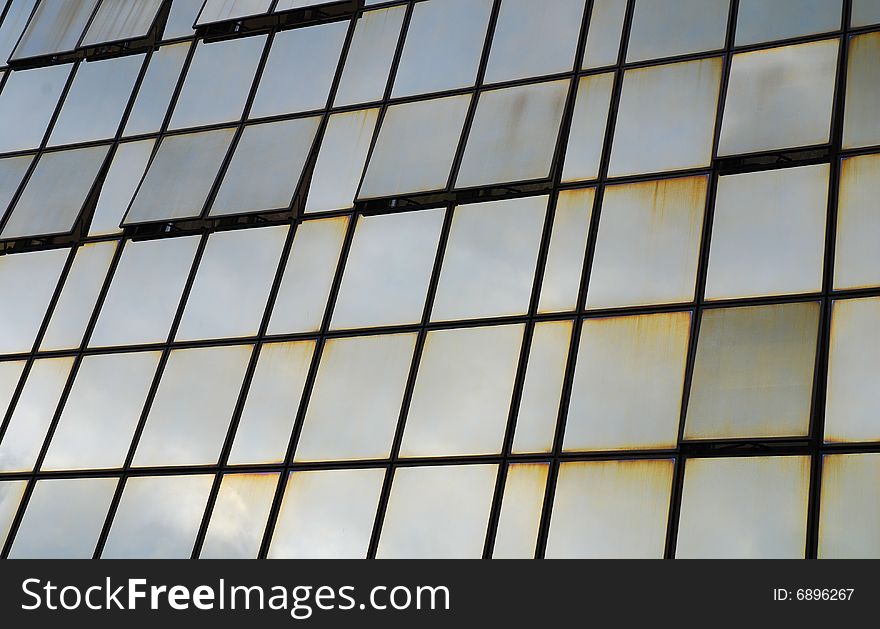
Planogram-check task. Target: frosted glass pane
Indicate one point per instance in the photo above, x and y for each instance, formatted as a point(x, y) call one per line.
point(125, 173)
point(239, 516)
point(760, 21)
point(157, 88)
point(564, 266)
point(857, 257)
point(860, 124)
point(603, 33)
point(850, 509)
point(586, 139)
point(27, 103)
point(117, 20)
point(521, 509)
point(55, 27)
point(662, 28)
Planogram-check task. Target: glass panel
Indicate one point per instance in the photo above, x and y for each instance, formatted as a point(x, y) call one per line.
point(628, 383)
point(14, 22)
point(117, 20)
point(779, 98)
point(744, 508)
point(857, 257)
point(181, 18)
point(370, 55)
point(64, 518)
point(218, 82)
point(753, 375)
point(327, 514)
point(221, 10)
point(514, 134)
point(55, 27)
point(490, 259)
point(532, 39)
point(850, 511)
point(773, 219)
point(438, 512)
point(661, 28)
point(865, 12)
point(272, 402)
point(610, 510)
point(10, 497)
point(355, 404)
point(603, 33)
point(542, 389)
point(266, 167)
point(853, 369)
point(102, 411)
point(416, 147)
point(158, 517)
point(55, 193)
point(156, 90)
point(521, 510)
point(308, 276)
point(12, 172)
point(586, 138)
point(568, 246)
point(75, 305)
point(10, 374)
point(180, 176)
point(145, 292)
point(27, 103)
point(860, 124)
point(648, 244)
point(444, 43)
point(190, 414)
point(33, 414)
point(287, 87)
point(341, 160)
point(462, 394)
point(666, 118)
point(239, 517)
point(32, 278)
point(388, 269)
point(230, 291)
point(125, 173)
point(760, 21)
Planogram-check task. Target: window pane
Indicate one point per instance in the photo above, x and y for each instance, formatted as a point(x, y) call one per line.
point(218, 82)
point(744, 508)
point(753, 375)
point(56, 192)
point(55, 27)
point(857, 257)
point(287, 87)
point(12, 172)
point(853, 369)
point(266, 167)
point(17, 15)
point(850, 511)
point(32, 278)
point(157, 88)
point(327, 514)
point(603, 33)
point(438, 512)
point(610, 510)
point(628, 383)
point(648, 244)
point(521, 510)
point(181, 18)
point(221, 10)
point(388, 270)
point(10, 497)
point(462, 394)
point(369, 58)
point(568, 246)
point(662, 28)
point(513, 137)
point(190, 415)
point(490, 259)
point(33, 414)
point(27, 103)
point(145, 292)
point(272, 402)
point(586, 138)
point(355, 404)
point(180, 177)
point(533, 39)
point(158, 517)
point(865, 12)
point(341, 160)
point(666, 118)
point(444, 42)
point(78, 297)
point(117, 20)
point(773, 219)
point(759, 20)
point(860, 124)
point(239, 517)
point(102, 411)
point(10, 374)
point(64, 518)
point(542, 389)
point(779, 98)
point(125, 173)
point(308, 276)
point(416, 147)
